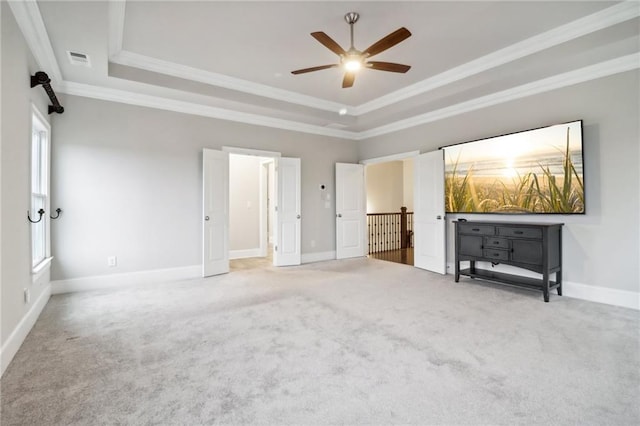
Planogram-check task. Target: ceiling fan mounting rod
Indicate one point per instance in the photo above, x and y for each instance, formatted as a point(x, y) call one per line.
point(351, 18)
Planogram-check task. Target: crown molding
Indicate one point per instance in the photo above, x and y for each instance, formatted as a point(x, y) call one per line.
point(116, 11)
point(29, 19)
point(157, 102)
point(602, 19)
point(596, 21)
point(220, 80)
point(122, 57)
point(592, 72)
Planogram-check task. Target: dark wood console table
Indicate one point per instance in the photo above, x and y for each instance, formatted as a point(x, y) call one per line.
point(536, 247)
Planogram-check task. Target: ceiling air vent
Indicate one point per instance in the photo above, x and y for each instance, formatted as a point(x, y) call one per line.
point(79, 59)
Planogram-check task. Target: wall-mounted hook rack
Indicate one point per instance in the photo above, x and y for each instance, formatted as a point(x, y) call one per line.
point(40, 212)
point(41, 77)
point(58, 211)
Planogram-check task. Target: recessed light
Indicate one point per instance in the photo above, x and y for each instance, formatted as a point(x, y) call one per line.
point(343, 111)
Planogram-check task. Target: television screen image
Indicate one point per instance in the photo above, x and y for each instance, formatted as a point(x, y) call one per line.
point(536, 171)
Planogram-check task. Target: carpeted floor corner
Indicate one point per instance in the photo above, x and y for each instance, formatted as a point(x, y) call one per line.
point(343, 342)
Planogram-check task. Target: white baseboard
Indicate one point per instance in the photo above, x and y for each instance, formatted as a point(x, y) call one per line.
point(243, 254)
point(101, 282)
point(318, 257)
point(610, 296)
point(592, 293)
point(13, 343)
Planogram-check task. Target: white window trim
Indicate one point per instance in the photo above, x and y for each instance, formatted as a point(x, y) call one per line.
point(44, 265)
point(40, 269)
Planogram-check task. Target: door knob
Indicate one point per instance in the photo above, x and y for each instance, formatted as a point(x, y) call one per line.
point(339, 215)
point(206, 218)
point(438, 217)
point(298, 217)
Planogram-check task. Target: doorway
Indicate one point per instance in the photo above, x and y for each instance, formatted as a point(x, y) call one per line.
point(389, 191)
point(216, 247)
point(251, 211)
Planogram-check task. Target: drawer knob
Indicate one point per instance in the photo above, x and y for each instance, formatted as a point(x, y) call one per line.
point(475, 229)
point(518, 232)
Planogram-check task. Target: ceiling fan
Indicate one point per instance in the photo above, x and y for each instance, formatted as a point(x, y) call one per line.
point(353, 59)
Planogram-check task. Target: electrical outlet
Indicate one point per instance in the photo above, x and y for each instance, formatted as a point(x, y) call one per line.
point(112, 261)
point(27, 296)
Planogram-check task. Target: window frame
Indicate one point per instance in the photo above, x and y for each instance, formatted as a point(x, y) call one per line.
point(40, 125)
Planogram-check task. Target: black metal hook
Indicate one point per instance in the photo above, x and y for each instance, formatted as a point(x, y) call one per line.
point(58, 211)
point(40, 212)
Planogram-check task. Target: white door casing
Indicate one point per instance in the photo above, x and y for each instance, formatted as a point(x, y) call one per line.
point(215, 215)
point(287, 247)
point(351, 212)
point(429, 225)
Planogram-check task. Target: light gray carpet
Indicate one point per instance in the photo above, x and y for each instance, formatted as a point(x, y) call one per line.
point(343, 342)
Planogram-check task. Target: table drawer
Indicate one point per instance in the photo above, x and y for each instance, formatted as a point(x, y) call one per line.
point(496, 254)
point(508, 231)
point(469, 228)
point(494, 242)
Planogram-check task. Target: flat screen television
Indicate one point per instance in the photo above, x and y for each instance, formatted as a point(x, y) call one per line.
point(537, 171)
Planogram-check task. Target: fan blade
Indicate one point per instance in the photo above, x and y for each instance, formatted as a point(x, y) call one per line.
point(348, 79)
point(388, 66)
point(321, 67)
point(328, 42)
point(386, 42)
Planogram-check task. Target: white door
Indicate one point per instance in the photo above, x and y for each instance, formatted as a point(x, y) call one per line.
point(351, 212)
point(428, 216)
point(286, 250)
point(215, 214)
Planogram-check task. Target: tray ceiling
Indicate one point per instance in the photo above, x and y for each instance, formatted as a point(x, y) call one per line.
point(232, 60)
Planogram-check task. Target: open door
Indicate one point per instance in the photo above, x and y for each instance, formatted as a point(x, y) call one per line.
point(215, 214)
point(428, 217)
point(287, 250)
point(351, 213)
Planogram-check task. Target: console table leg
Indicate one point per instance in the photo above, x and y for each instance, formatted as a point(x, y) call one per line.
point(545, 285)
point(457, 275)
point(559, 281)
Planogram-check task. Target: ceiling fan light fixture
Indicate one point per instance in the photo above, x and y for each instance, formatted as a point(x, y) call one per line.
point(353, 64)
point(352, 60)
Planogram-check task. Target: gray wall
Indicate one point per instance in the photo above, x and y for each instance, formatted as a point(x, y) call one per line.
point(244, 202)
point(17, 65)
point(601, 247)
point(129, 181)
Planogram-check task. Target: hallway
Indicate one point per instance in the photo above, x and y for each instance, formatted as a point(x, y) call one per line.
point(404, 256)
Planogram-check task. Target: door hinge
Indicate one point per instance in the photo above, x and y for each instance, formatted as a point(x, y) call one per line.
point(276, 208)
point(275, 248)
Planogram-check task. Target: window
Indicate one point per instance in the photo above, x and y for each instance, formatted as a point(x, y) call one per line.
point(39, 188)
